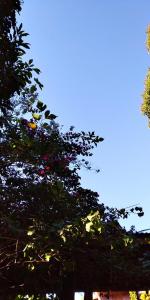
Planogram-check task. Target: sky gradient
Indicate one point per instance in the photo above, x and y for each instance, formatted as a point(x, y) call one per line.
point(93, 60)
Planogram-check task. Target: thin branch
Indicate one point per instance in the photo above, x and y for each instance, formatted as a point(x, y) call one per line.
point(16, 251)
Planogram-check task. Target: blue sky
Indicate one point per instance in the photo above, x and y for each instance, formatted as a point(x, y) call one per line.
point(93, 61)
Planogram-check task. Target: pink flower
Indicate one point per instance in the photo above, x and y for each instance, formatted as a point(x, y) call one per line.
point(45, 157)
point(47, 168)
point(41, 172)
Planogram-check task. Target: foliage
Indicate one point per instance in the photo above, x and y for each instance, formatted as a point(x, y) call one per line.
point(33, 297)
point(44, 209)
point(148, 38)
point(145, 296)
point(15, 73)
point(133, 295)
point(47, 219)
point(145, 107)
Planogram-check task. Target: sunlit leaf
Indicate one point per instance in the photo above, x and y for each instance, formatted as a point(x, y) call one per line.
point(36, 116)
point(32, 125)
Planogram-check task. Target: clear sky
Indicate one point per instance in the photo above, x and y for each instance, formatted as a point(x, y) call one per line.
point(93, 60)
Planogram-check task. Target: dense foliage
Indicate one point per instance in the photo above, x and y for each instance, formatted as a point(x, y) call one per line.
point(15, 73)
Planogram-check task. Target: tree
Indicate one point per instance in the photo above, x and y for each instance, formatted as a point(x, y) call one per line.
point(47, 220)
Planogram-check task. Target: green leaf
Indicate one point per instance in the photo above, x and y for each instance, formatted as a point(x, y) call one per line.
point(30, 232)
point(33, 88)
point(47, 257)
point(88, 226)
point(39, 104)
point(36, 116)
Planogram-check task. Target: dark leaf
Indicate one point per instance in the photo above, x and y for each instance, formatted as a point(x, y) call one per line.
point(25, 45)
point(20, 27)
point(36, 70)
point(30, 61)
point(47, 114)
point(141, 214)
point(52, 117)
point(101, 139)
